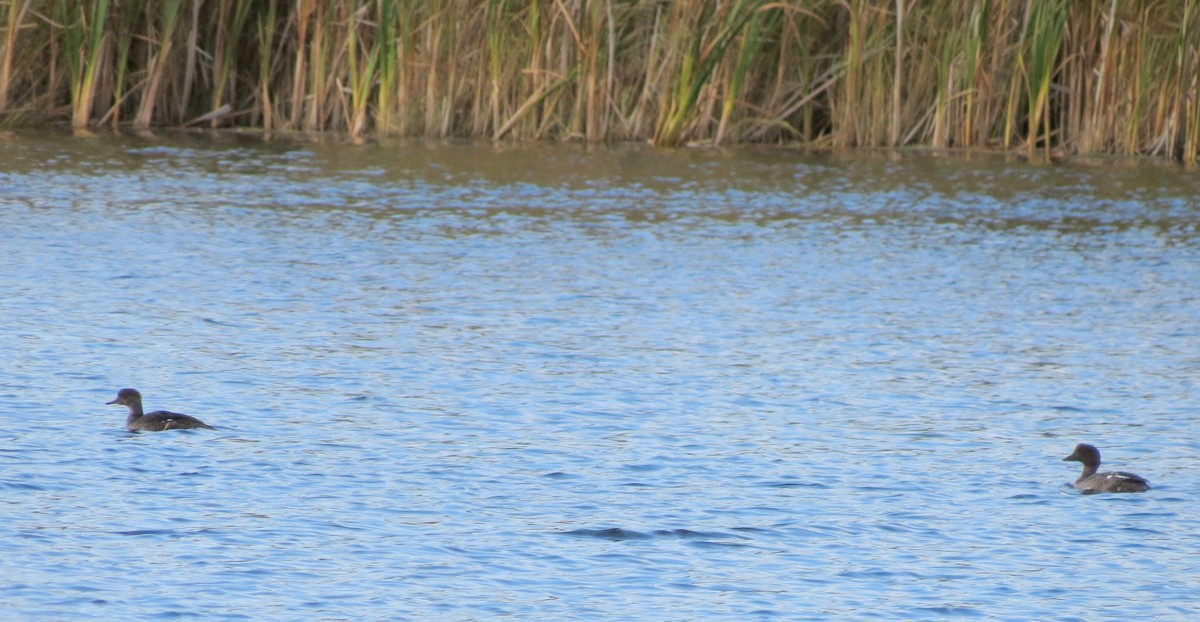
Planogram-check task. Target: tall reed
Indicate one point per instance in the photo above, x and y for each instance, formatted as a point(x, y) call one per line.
point(699, 37)
point(84, 41)
point(228, 33)
point(161, 33)
point(1045, 76)
point(1039, 62)
point(16, 14)
point(265, 29)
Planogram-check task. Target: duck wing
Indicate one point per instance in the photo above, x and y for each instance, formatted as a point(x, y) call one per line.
point(176, 421)
point(1112, 481)
point(1129, 478)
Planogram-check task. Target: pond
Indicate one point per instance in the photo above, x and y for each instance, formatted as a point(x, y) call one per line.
point(474, 381)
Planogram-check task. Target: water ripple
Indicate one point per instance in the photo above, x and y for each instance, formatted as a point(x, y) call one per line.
point(466, 382)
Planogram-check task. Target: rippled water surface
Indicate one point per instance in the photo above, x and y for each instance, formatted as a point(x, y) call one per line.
point(468, 382)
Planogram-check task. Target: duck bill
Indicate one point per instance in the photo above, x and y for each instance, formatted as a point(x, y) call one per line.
point(116, 401)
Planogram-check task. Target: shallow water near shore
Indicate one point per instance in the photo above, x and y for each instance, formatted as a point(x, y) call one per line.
point(466, 382)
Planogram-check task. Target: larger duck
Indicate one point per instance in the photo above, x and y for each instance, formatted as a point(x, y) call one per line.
point(156, 421)
point(1106, 481)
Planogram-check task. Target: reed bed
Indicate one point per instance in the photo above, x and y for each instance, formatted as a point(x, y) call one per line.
point(1041, 76)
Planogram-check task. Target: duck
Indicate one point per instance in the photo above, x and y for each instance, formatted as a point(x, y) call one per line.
point(1107, 481)
point(156, 421)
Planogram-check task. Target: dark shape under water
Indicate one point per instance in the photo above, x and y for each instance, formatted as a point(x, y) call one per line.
point(612, 533)
point(1108, 481)
point(156, 421)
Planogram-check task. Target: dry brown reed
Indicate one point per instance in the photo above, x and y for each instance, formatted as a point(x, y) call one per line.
point(1042, 76)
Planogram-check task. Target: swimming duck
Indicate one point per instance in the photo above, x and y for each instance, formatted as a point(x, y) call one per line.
point(156, 421)
point(1108, 481)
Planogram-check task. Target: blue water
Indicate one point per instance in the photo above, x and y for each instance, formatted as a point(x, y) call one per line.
point(467, 382)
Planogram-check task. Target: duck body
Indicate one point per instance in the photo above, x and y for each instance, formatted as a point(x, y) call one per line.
point(1112, 481)
point(1093, 480)
point(157, 421)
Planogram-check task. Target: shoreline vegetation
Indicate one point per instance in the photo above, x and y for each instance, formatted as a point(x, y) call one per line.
point(1043, 77)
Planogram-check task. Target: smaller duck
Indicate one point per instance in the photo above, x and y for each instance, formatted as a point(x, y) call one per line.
point(156, 421)
point(1108, 481)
